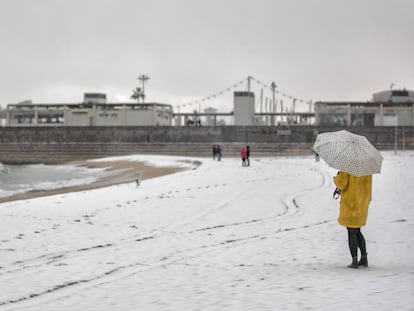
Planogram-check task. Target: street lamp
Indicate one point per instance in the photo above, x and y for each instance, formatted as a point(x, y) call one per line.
point(143, 78)
point(273, 86)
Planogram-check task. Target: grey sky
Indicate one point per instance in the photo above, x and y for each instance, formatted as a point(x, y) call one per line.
point(55, 50)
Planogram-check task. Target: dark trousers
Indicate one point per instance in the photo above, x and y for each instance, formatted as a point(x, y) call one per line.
point(356, 240)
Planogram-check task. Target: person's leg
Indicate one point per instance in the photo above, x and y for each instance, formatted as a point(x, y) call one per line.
point(353, 246)
point(362, 247)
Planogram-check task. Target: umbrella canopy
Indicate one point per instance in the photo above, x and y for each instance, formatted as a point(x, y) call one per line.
point(348, 152)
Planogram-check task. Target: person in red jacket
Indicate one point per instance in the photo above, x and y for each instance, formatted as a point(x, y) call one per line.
point(243, 154)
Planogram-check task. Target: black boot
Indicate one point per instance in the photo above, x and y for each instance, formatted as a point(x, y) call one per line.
point(354, 263)
point(364, 260)
point(353, 246)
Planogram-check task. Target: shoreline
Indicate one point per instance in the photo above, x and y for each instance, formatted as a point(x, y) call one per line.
point(124, 172)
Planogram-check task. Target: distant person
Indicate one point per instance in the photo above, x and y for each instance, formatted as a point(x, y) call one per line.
point(248, 155)
point(243, 155)
point(219, 151)
point(316, 157)
point(215, 151)
point(356, 194)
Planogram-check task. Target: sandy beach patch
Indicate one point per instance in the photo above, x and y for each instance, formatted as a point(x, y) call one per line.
point(122, 172)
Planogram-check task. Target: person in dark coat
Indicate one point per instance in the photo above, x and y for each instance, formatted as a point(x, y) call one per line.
point(248, 155)
point(214, 151)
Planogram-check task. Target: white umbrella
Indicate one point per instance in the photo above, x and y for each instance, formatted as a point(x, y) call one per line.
point(348, 152)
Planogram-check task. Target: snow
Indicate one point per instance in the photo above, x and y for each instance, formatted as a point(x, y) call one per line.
point(218, 237)
point(154, 160)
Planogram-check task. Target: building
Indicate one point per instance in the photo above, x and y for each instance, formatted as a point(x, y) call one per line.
point(243, 108)
point(387, 108)
point(93, 111)
point(211, 119)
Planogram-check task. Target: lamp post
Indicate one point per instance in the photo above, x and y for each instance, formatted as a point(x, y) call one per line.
point(143, 78)
point(273, 86)
point(249, 79)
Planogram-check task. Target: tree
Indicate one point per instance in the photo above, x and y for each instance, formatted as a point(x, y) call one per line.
point(137, 93)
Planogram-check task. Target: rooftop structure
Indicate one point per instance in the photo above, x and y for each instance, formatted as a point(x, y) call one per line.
point(243, 108)
point(394, 96)
point(388, 108)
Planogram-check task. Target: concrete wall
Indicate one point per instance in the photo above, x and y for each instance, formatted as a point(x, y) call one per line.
point(62, 144)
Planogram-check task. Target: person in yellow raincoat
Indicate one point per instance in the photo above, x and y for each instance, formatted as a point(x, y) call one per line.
point(356, 194)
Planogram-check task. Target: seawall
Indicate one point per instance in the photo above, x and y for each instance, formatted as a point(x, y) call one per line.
point(63, 144)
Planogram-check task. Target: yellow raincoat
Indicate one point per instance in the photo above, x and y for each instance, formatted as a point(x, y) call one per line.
point(356, 194)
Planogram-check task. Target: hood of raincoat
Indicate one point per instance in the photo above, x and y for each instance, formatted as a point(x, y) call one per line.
point(356, 194)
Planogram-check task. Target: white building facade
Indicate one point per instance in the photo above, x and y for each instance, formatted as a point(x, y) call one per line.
point(93, 111)
point(388, 108)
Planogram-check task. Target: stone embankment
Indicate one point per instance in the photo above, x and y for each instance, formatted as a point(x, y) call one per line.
point(53, 153)
point(64, 144)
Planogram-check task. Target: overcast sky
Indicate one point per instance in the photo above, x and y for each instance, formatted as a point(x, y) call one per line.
point(53, 51)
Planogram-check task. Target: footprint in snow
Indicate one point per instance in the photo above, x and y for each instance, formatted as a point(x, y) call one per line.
point(20, 236)
point(400, 220)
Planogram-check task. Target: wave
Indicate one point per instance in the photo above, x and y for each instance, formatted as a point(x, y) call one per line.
point(3, 169)
point(16, 179)
point(4, 175)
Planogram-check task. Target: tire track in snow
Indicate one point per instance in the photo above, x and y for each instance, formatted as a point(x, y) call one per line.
point(289, 201)
point(69, 288)
point(291, 208)
point(55, 256)
point(38, 262)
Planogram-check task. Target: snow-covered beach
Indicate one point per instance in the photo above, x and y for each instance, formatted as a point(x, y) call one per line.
point(218, 236)
point(19, 182)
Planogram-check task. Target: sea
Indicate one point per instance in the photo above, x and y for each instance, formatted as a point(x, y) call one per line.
point(16, 179)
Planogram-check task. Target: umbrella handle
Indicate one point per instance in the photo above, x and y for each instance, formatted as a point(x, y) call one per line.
point(336, 194)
